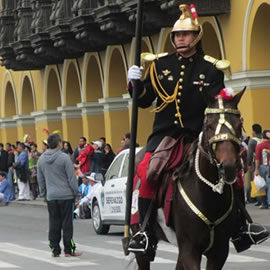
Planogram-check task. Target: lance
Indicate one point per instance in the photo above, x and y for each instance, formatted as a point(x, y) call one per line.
point(134, 120)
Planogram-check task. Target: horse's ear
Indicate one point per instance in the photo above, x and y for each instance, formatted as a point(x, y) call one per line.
point(238, 96)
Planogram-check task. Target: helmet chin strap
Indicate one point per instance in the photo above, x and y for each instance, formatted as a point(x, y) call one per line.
point(193, 43)
point(197, 39)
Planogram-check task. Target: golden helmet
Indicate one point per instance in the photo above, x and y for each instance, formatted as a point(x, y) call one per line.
point(188, 21)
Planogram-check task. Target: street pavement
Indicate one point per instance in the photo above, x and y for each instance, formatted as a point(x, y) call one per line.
point(24, 245)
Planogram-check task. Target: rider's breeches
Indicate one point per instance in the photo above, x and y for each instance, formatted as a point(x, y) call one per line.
point(147, 190)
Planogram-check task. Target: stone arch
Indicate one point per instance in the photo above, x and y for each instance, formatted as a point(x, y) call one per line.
point(52, 88)
point(92, 79)
point(71, 83)
point(28, 103)
point(115, 73)
point(10, 108)
point(145, 47)
point(7, 85)
point(164, 43)
point(259, 44)
point(210, 42)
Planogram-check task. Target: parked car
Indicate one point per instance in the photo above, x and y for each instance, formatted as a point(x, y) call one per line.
point(109, 198)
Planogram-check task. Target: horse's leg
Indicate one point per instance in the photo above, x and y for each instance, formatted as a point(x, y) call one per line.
point(188, 259)
point(141, 262)
point(217, 258)
point(179, 265)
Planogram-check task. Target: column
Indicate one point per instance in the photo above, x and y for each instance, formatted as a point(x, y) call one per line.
point(25, 125)
point(116, 119)
point(72, 124)
point(92, 120)
point(49, 120)
point(8, 127)
point(145, 121)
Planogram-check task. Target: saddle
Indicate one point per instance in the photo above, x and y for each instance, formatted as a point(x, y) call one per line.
point(163, 169)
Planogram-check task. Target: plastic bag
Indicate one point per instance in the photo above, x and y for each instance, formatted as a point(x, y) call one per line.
point(255, 192)
point(259, 182)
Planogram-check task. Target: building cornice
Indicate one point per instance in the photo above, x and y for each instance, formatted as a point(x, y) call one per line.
point(257, 79)
point(24, 120)
point(8, 123)
point(46, 116)
point(70, 112)
point(91, 108)
point(114, 104)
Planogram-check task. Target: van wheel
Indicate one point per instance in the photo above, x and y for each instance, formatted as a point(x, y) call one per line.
point(97, 222)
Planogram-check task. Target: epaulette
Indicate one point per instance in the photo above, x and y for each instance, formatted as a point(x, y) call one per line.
point(150, 57)
point(223, 64)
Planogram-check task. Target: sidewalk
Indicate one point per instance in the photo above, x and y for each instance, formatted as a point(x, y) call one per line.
point(39, 202)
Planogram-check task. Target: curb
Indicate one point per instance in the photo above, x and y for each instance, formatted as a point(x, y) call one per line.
point(34, 203)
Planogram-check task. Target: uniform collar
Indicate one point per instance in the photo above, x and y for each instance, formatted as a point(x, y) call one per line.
point(189, 59)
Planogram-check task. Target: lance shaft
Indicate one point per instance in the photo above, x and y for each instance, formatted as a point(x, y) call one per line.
point(134, 118)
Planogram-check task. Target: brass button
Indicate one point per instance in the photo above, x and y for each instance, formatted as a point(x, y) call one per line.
point(183, 66)
point(179, 94)
point(181, 80)
point(175, 122)
point(178, 100)
point(202, 76)
point(190, 59)
point(182, 73)
point(181, 87)
point(176, 115)
point(180, 57)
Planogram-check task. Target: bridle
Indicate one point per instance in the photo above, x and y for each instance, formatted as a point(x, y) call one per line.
point(212, 143)
point(221, 137)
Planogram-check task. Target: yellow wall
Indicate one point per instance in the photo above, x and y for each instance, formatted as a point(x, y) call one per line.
point(243, 37)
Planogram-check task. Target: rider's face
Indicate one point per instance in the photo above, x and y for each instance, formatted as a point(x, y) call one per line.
point(182, 39)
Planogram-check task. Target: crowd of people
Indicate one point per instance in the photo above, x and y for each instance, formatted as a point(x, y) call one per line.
point(258, 160)
point(19, 163)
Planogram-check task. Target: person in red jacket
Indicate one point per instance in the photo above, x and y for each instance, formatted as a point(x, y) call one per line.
point(85, 152)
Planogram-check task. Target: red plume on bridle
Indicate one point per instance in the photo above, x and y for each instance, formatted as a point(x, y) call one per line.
point(226, 94)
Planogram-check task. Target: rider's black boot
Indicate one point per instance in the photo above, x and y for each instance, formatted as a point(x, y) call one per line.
point(247, 233)
point(145, 241)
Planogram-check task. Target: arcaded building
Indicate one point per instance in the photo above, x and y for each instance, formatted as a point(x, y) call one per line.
point(65, 62)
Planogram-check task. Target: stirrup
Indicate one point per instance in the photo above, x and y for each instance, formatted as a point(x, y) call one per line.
point(257, 237)
point(143, 242)
point(254, 234)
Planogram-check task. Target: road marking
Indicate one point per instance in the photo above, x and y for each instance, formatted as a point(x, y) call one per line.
point(232, 258)
point(43, 256)
point(116, 254)
point(7, 265)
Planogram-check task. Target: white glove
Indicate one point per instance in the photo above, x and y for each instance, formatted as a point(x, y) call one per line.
point(134, 73)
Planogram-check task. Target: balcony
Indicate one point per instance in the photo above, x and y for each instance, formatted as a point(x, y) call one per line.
point(36, 33)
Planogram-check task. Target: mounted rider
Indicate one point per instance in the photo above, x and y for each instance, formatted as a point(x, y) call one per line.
point(176, 82)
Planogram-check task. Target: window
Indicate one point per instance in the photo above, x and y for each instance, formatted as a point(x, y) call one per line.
point(125, 167)
point(113, 171)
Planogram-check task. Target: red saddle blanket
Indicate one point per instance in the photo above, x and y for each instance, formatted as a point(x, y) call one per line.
point(166, 183)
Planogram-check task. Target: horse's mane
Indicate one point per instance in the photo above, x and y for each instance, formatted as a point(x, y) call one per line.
point(189, 157)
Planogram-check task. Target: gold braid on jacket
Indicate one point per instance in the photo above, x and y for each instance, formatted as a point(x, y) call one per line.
point(163, 94)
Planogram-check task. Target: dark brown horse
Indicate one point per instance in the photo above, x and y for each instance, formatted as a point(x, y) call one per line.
point(203, 208)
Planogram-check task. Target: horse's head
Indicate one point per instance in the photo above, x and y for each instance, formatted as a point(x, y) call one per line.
point(222, 134)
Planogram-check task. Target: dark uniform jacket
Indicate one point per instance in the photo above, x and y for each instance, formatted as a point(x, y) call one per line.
point(4, 161)
point(183, 116)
